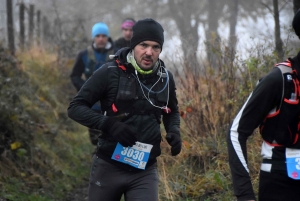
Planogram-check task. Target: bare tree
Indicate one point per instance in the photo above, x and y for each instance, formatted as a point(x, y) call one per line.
point(189, 16)
point(31, 25)
point(57, 30)
point(22, 25)
point(38, 26)
point(45, 30)
point(187, 21)
point(10, 26)
point(233, 22)
point(278, 41)
point(211, 33)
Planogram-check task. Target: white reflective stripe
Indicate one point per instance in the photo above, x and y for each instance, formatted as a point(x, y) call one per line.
point(266, 150)
point(237, 147)
point(266, 167)
point(234, 136)
point(266, 153)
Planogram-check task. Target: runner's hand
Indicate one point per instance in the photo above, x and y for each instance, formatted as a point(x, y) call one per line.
point(123, 134)
point(175, 141)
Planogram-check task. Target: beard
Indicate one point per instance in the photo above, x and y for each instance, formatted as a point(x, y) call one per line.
point(146, 59)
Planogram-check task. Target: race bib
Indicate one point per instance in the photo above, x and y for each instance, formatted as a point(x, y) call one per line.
point(136, 156)
point(293, 163)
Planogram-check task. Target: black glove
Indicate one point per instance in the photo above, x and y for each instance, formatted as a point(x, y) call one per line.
point(120, 132)
point(175, 141)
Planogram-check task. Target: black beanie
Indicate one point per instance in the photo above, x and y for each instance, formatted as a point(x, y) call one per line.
point(147, 29)
point(296, 23)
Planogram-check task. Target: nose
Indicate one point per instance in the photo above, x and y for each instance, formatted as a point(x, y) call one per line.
point(101, 38)
point(149, 51)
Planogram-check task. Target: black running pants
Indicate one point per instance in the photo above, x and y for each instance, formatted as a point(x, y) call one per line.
point(109, 182)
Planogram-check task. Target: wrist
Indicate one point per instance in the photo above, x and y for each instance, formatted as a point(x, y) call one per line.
point(107, 124)
point(173, 131)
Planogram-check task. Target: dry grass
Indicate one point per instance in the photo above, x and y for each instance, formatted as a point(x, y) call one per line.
point(210, 96)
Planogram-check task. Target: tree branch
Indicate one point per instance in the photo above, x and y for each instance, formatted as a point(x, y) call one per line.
point(266, 5)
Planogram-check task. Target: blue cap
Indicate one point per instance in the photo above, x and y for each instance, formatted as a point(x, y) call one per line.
point(100, 28)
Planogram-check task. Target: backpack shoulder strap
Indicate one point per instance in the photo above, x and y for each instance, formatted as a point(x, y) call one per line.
point(91, 54)
point(284, 67)
point(287, 63)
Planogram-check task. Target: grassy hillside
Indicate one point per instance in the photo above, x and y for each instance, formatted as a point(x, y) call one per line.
point(43, 153)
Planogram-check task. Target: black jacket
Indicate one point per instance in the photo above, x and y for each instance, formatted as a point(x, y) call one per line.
point(103, 86)
point(266, 96)
point(121, 43)
point(81, 62)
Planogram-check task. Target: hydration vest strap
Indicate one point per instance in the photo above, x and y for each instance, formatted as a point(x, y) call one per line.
point(156, 112)
point(91, 54)
point(285, 63)
point(124, 116)
point(284, 67)
point(274, 144)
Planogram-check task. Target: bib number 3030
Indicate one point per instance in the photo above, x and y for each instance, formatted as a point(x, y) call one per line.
point(293, 163)
point(136, 156)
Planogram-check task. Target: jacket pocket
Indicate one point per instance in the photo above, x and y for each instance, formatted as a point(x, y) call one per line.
point(126, 89)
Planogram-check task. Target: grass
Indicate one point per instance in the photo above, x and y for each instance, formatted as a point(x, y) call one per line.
point(209, 98)
point(55, 153)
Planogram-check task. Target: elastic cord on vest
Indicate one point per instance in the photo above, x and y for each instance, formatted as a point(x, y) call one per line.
point(149, 90)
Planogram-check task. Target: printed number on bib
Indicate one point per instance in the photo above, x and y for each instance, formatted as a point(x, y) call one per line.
point(293, 163)
point(136, 156)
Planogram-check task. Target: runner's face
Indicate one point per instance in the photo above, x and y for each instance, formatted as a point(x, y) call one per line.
point(100, 40)
point(146, 54)
point(127, 33)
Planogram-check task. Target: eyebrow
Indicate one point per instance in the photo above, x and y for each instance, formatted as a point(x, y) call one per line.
point(144, 43)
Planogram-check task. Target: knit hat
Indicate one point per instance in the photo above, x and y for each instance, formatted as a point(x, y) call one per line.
point(147, 29)
point(296, 23)
point(100, 28)
point(128, 23)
